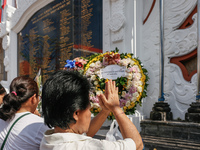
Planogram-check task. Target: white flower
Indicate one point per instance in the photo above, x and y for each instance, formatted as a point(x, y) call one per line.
point(96, 105)
point(91, 104)
point(137, 68)
point(129, 83)
point(128, 103)
point(98, 64)
point(99, 92)
point(89, 72)
point(136, 94)
point(132, 63)
point(139, 89)
point(123, 93)
point(124, 62)
point(128, 60)
point(137, 83)
point(93, 77)
point(129, 76)
point(92, 65)
point(128, 70)
point(133, 99)
point(96, 82)
point(97, 73)
point(137, 76)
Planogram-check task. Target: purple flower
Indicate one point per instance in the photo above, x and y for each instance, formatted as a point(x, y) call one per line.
point(122, 102)
point(132, 90)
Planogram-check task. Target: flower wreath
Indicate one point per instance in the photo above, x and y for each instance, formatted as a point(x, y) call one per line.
point(132, 87)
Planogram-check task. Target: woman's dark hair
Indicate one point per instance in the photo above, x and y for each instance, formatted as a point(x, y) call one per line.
point(2, 90)
point(21, 89)
point(62, 94)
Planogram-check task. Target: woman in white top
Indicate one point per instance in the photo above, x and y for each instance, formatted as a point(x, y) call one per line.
point(66, 107)
point(27, 132)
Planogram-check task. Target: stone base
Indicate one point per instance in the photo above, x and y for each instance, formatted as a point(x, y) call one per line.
point(170, 135)
point(192, 117)
point(161, 111)
point(162, 116)
point(193, 114)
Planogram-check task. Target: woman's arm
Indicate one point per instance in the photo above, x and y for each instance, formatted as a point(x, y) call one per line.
point(97, 122)
point(127, 128)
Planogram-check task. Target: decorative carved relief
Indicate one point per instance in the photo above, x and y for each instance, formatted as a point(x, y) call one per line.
point(6, 63)
point(187, 64)
point(117, 20)
point(118, 35)
point(181, 42)
point(179, 92)
point(114, 21)
point(2, 29)
point(6, 42)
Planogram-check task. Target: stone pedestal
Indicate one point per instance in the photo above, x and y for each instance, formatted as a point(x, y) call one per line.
point(193, 114)
point(170, 135)
point(161, 111)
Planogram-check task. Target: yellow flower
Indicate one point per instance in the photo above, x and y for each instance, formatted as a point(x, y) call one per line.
point(129, 107)
point(98, 109)
point(129, 55)
point(95, 110)
point(138, 98)
point(125, 108)
point(106, 80)
point(132, 104)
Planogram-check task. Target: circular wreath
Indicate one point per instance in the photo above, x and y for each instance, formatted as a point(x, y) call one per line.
point(132, 87)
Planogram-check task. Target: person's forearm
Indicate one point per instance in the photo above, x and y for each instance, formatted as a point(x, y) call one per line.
point(127, 128)
point(97, 122)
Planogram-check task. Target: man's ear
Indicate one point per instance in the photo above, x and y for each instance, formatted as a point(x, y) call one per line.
point(76, 115)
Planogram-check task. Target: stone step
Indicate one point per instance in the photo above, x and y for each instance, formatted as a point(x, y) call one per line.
point(163, 143)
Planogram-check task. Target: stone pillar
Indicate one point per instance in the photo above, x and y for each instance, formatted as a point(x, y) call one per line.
point(161, 110)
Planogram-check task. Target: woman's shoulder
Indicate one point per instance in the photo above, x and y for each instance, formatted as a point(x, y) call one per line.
point(30, 118)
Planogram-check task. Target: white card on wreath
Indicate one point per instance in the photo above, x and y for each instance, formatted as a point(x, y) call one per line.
point(113, 72)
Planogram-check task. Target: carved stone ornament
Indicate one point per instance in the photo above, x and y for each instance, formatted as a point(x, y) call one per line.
point(118, 35)
point(6, 63)
point(2, 29)
point(177, 43)
point(6, 42)
point(116, 22)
